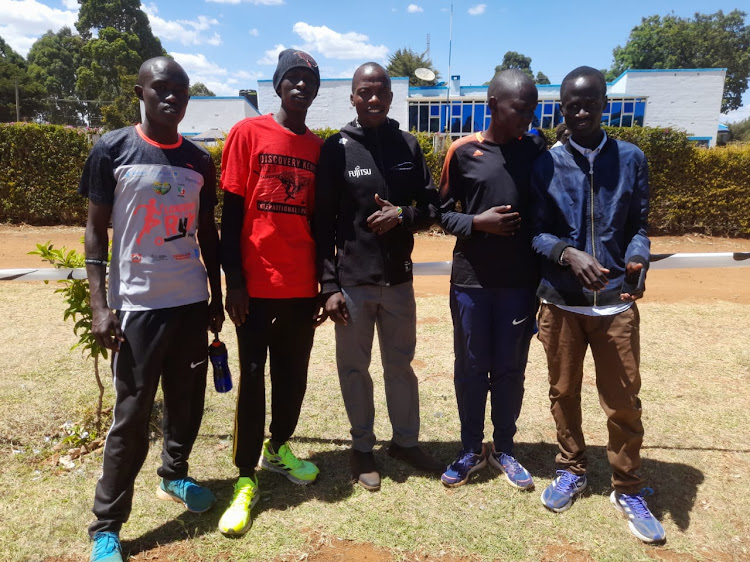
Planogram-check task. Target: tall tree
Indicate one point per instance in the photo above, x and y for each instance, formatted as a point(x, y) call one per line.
point(705, 41)
point(125, 16)
point(54, 60)
point(14, 74)
point(111, 59)
point(512, 59)
point(541, 78)
point(405, 61)
point(200, 89)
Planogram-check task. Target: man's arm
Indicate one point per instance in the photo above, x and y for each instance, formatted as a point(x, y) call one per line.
point(237, 302)
point(324, 230)
point(638, 252)
point(104, 325)
point(208, 239)
point(426, 208)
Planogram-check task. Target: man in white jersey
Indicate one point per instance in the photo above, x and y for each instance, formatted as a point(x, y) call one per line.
point(159, 192)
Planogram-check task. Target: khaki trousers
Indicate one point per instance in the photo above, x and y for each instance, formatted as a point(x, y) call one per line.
point(615, 346)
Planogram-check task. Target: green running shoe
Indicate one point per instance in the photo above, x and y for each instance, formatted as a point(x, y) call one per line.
point(284, 462)
point(236, 520)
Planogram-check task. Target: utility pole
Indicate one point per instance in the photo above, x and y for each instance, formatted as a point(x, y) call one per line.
point(427, 51)
point(18, 106)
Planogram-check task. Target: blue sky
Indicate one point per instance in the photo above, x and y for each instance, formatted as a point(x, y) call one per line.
point(230, 44)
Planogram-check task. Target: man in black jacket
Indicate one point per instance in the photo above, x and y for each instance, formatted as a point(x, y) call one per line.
point(373, 190)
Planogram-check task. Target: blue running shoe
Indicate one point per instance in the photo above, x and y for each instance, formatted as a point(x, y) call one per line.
point(458, 472)
point(516, 475)
point(559, 495)
point(641, 521)
point(186, 491)
point(106, 547)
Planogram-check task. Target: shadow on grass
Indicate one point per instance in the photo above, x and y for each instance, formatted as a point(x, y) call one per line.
point(675, 485)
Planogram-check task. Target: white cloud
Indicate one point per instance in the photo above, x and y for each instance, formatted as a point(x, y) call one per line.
point(186, 32)
point(71, 4)
point(254, 32)
point(218, 79)
point(24, 21)
point(334, 45)
point(346, 73)
point(414, 9)
point(739, 114)
point(271, 56)
point(256, 2)
point(477, 10)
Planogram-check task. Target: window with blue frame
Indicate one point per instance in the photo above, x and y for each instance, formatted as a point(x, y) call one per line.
point(462, 117)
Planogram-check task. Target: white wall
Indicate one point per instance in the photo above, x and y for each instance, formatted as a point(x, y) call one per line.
point(689, 100)
point(332, 108)
point(205, 113)
point(215, 113)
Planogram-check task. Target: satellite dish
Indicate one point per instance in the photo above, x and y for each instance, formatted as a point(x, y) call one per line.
point(424, 74)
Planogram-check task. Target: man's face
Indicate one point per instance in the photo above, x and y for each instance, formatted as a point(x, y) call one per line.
point(298, 89)
point(513, 111)
point(582, 105)
point(164, 92)
point(371, 96)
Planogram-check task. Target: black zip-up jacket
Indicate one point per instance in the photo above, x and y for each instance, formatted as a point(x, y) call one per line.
point(355, 164)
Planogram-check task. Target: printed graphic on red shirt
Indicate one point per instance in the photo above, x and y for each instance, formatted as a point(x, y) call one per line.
point(285, 183)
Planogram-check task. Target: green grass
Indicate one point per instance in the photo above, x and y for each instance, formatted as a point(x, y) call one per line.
point(696, 369)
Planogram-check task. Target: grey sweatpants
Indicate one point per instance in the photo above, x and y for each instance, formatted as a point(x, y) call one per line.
point(394, 312)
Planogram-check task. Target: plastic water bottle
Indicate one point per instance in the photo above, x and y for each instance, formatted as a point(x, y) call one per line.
point(217, 351)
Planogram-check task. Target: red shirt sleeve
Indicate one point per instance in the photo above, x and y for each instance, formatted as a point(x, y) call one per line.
point(236, 159)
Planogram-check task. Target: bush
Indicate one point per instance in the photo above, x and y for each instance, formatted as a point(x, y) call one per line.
point(692, 189)
point(40, 166)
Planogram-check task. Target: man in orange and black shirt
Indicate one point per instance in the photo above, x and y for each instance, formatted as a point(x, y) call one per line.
point(494, 275)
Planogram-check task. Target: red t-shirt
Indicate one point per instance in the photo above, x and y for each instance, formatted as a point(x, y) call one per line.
point(274, 170)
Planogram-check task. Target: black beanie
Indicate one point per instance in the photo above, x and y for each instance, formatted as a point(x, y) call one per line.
point(293, 58)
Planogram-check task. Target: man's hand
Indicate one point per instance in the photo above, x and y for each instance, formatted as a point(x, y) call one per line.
point(384, 219)
point(106, 328)
point(237, 305)
point(632, 278)
point(497, 220)
point(215, 315)
point(319, 316)
point(335, 308)
point(590, 273)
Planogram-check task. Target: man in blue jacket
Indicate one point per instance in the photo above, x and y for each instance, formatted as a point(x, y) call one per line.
point(590, 211)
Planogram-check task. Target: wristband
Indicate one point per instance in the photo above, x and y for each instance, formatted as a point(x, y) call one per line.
point(560, 259)
point(400, 214)
point(94, 261)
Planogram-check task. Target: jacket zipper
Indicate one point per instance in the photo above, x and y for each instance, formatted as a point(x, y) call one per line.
point(593, 226)
point(383, 248)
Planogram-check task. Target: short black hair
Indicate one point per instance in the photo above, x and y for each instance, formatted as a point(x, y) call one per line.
point(584, 72)
point(371, 64)
point(560, 131)
point(506, 81)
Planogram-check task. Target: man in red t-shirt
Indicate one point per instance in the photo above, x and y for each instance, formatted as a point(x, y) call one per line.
point(268, 256)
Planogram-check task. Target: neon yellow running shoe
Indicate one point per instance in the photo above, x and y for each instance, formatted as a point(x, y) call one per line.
point(236, 520)
point(284, 462)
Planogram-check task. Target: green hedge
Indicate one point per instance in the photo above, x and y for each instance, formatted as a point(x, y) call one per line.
point(692, 189)
point(40, 166)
